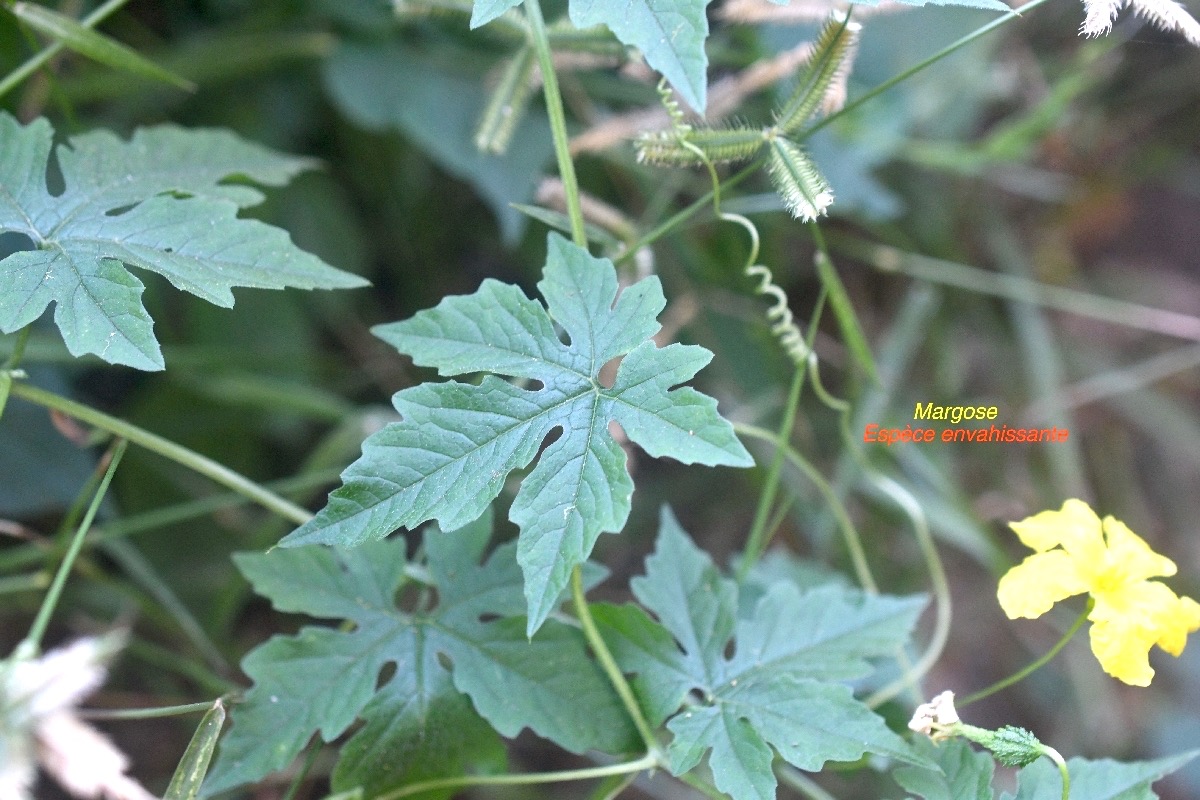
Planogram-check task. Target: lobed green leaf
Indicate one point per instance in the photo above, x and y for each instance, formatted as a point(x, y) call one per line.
point(158, 202)
point(456, 444)
point(781, 689)
point(323, 679)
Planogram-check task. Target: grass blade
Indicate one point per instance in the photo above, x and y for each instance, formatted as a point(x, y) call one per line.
point(96, 46)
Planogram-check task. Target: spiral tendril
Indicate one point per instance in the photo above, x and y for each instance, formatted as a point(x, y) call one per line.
point(783, 324)
point(676, 114)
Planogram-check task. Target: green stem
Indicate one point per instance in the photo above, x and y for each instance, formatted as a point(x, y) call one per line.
point(35, 63)
point(6, 381)
point(648, 761)
point(168, 449)
point(853, 543)
point(684, 214)
point(802, 783)
point(1055, 756)
point(908, 504)
point(33, 639)
point(610, 666)
point(687, 213)
point(146, 713)
point(1032, 667)
point(913, 70)
point(759, 536)
point(305, 768)
point(558, 122)
point(32, 553)
point(18, 352)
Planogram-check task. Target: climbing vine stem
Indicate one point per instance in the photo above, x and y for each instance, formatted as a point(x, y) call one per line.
point(164, 447)
point(1033, 666)
point(33, 639)
point(646, 762)
point(558, 122)
point(609, 665)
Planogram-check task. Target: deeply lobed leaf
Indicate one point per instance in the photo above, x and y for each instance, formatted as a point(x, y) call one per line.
point(158, 202)
point(323, 679)
point(457, 442)
point(781, 688)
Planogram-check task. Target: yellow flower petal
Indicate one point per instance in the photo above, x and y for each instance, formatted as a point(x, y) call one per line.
point(1128, 621)
point(1184, 620)
point(1130, 614)
point(1037, 583)
point(1075, 526)
point(1131, 559)
point(1123, 650)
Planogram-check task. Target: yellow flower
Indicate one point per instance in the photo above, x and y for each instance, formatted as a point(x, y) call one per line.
point(1078, 553)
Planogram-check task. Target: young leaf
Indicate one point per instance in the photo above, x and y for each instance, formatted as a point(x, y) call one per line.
point(324, 678)
point(156, 202)
point(781, 688)
point(449, 456)
point(96, 46)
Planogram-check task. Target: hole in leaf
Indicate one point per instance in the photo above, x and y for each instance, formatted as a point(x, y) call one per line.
point(445, 662)
point(489, 617)
point(14, 242)
point(385, 675)
point(551, 438)
point(561, 332)
point(56, 184)
point(412, 596)
point(119, 210)
point(729, 649)
point(608, 373)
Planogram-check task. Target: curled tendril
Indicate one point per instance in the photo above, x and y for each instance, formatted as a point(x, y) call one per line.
point(676, 114)
point(783, 325)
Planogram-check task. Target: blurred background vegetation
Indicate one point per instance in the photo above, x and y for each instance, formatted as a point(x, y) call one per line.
point(1032, 155)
